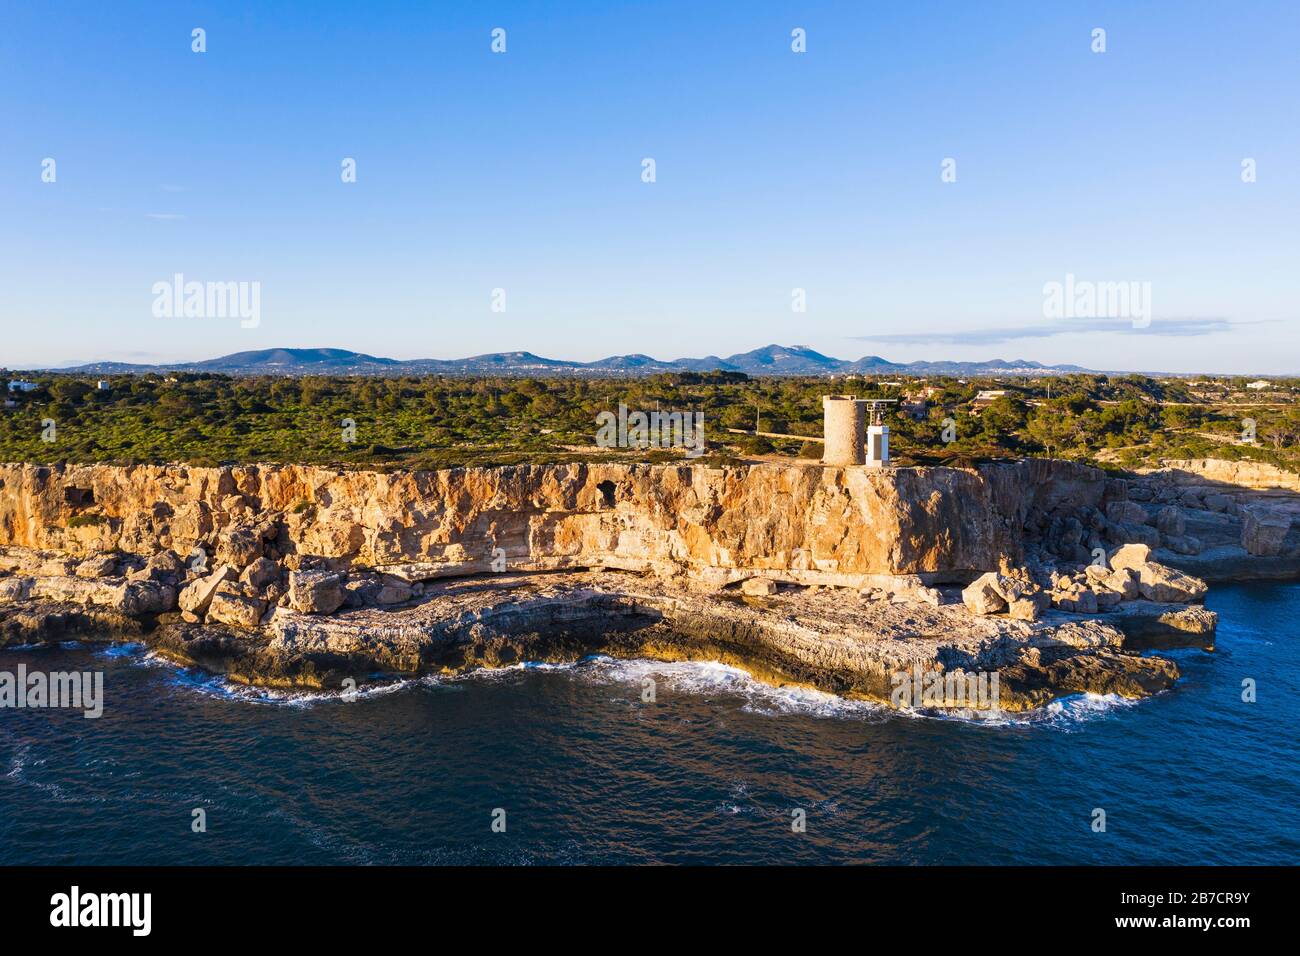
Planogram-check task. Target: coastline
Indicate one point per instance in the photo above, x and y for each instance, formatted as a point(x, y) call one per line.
point(837, 579)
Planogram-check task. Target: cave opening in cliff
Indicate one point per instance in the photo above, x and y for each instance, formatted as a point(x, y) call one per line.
point(606, 489)
point(78, 497)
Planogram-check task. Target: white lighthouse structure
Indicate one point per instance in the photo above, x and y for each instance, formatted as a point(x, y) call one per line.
point(877, 434)
point(847, 441)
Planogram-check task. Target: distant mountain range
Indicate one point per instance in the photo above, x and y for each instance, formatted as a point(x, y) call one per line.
point(769, 360)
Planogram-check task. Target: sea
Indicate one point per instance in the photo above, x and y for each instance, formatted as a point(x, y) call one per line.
point(637, 762)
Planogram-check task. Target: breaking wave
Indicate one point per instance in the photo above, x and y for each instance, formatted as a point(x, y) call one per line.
point(707, 679)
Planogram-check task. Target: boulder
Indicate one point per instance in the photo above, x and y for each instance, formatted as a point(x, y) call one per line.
point(56, 568)
point(1183, 544)
point(1075, 602)
point(1170, 521)
point(396, 591)
point(1096, 573)
point(1167, 586)
point(149, 597)
point(1065, 538)
point(1137, 534)
point(316, 592)
point(1263, 530)
point(235, 505)
point(1107, 600)
point(260, 573)
point(931, 596)
point(127, 597)
point(239, 548)
point(14, 589)
point(197, 595)
point(1166, 494)
point(97, 566)
point(1126, 512)
point(1124, 582)
point(1013, 587)
point(983, 596)
point(1220, 503)
point(1029, 607)
point(361, 590)
point(758, 586)
point(104, 592)
point(1130, 556)
point(162, 565)
point(231, 605)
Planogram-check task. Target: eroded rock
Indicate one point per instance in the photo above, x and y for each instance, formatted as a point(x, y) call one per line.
point(231, 604)
point(316, 591)
point(1167, 586)
point(1263, 530)
point(97, 566)
point(982, 596)
point(1130, 556)
point(197, 596)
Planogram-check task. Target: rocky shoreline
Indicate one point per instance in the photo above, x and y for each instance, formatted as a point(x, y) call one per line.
point(1050, 577)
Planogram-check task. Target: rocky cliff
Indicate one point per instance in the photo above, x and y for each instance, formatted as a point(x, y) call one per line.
point(801, 522)
point(289, 575)
point(1216, 472)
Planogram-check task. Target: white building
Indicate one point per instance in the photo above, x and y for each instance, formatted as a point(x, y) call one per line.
point(1260, 385)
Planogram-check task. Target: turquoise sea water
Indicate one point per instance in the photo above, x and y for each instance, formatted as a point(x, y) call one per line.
point(711, 772)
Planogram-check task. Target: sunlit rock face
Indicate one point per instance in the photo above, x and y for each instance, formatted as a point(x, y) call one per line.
point(803, 522)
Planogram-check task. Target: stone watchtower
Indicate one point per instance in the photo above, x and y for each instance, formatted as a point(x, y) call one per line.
point(842, 428)
point(845, 434)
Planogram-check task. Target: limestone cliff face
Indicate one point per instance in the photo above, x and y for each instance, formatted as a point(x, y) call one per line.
point(803, 521)
point(1210, 472)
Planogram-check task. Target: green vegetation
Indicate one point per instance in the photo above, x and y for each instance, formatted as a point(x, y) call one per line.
point(442, 422)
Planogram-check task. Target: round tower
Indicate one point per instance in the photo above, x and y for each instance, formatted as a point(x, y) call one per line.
point(842, 428)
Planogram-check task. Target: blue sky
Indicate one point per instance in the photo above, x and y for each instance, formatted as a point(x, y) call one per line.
point(775, 171)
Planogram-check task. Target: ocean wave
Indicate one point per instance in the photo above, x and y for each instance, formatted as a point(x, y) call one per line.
point(129, 649)
point(711, 678)
point(695, 678)
point(216, 685)
point(1068, 712)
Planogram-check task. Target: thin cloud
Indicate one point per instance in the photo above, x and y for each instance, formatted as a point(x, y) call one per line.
point(1172, 327)
point(165, 216)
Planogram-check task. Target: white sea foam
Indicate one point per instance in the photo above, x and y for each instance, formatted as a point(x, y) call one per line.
point(215, 685)
point(706, 678)
point(696, 678)
point(1081, 708)
point(130, 649)
point(713, 678)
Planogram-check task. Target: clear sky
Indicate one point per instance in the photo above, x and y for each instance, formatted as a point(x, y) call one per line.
point(775, 170)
